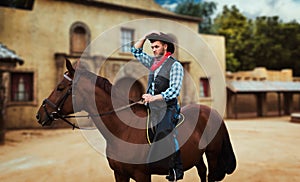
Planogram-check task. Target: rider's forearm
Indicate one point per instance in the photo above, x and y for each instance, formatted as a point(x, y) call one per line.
point(140, 43)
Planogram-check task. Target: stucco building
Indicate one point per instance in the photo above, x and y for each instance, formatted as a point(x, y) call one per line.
point(45, 32)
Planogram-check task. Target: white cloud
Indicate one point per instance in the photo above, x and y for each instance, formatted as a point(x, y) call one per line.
point(170, 6)
point(287, 10)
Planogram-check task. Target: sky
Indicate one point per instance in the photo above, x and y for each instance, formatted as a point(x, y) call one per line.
point(287, 10)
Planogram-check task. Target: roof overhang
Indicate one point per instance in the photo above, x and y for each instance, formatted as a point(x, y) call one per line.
point(8, 59)
point(145, 11)
point(244, 86)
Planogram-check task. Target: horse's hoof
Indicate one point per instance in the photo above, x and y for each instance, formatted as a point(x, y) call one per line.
point(175, 175)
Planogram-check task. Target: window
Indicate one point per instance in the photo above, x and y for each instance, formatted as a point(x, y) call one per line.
point(20, 4)
point(204, 87)
point(127, 39)
point(80, 38)
point(21, 87)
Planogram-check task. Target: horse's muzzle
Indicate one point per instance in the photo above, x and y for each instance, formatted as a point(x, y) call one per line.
point(44, 122)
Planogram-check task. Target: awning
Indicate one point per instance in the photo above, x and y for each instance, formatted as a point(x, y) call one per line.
point(8, 58)
point(260, 89)
point(249, 86)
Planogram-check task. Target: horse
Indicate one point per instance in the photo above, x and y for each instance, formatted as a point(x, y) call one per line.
point(203, 128)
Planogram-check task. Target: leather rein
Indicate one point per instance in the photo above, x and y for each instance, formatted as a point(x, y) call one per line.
point(56, 114)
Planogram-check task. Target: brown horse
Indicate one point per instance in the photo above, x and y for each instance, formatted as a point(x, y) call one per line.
point(203, 130)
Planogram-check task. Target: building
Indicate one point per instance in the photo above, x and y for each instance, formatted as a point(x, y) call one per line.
point(262, 92)
point(8, 61)
point(45, 32)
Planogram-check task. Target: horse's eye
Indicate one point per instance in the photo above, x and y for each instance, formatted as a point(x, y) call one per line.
point(60, 88)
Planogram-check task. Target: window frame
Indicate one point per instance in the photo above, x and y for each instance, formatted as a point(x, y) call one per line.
point(124, 47)
point(205, 92)
point(87, 37)
point(11, 102)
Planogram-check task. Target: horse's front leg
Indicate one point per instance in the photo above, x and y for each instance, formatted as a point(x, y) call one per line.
point(201, 167)
point(141, 177)
point(121, 177)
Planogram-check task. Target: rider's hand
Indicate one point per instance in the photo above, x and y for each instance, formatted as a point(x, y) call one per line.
point(150, 98)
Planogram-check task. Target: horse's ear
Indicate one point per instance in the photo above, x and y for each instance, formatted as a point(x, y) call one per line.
point(70, 67)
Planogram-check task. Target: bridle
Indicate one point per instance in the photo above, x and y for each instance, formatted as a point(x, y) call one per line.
point(56, 114)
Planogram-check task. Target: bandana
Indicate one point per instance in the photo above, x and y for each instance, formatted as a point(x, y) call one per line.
point(157, 63)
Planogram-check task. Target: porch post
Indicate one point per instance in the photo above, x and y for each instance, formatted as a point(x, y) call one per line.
point(288, 103)
point(261, 102)
point(2, 109)
point(279, 103)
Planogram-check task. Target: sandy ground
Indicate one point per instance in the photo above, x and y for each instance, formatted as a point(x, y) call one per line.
point(266, 150)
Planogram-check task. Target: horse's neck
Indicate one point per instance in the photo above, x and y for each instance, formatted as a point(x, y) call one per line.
point(125, 124)
point(105, 107)
point(122, 124)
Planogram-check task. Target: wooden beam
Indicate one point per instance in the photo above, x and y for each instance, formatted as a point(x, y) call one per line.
point(2, 105)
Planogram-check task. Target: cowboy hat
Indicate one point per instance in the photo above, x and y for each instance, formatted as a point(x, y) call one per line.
point(165, 38)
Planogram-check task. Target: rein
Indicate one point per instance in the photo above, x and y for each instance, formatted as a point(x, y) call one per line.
point(56, 114)
point(63, 117)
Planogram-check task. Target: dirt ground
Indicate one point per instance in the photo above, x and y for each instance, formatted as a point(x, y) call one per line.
point(266, 150)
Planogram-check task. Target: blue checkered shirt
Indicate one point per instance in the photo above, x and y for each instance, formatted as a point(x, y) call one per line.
point(176, 74)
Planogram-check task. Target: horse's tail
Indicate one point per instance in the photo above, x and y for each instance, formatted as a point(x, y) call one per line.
point(227, 154)
point(220, 155)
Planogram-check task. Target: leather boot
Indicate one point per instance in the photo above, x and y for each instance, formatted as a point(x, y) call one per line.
point(176, 168)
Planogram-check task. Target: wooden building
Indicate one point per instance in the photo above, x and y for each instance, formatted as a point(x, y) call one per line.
point(261, 92)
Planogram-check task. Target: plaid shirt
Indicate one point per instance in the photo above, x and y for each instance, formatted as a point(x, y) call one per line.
point(176, 74)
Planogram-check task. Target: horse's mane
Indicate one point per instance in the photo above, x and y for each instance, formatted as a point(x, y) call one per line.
point(100, 82)
point(104, 84)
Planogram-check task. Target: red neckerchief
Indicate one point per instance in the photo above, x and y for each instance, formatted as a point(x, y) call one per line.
point(157, 63)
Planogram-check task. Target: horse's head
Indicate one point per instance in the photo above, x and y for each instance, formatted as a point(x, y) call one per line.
point(59, 102)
